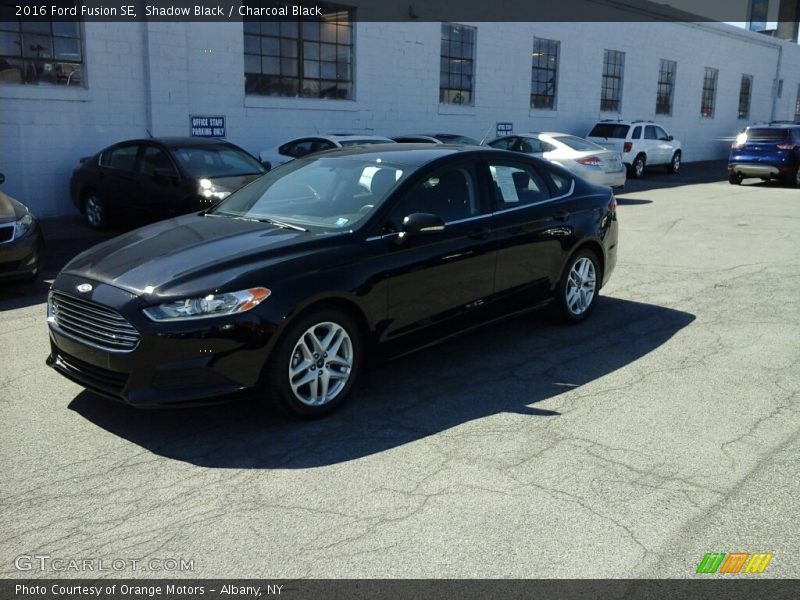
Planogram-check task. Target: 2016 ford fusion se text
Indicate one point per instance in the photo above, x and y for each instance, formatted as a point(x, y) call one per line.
point(283, 288)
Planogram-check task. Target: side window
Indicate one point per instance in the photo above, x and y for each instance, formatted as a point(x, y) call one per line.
point(528, 146)
point(637, 133)
point(517, 185)
point(154, 158)
point(450, 192)
point(650, 133)
point(300, 148)
point(662, 135)
point(505, 143)
point(561, 182)
point(121, 157)
point(320, 145)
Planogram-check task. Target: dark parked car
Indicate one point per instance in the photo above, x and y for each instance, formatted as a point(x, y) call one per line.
point(286, 286)
point(154, 179)
point(768, 152)
point(21, 241)
point(437, 138)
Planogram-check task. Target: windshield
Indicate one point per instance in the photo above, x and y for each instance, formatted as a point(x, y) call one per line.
point(328, 192)
point(216, 161)
point(609, 130)
point(579, 144)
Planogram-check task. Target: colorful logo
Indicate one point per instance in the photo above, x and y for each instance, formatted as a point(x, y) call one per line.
point(734, 562)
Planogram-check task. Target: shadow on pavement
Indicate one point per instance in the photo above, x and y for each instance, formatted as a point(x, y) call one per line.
point(507, 368)
point(693, 173)
point(632, 201)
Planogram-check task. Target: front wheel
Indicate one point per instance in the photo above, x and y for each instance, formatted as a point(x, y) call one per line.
point(316, 364)
point(578, 289)
point(675, 164)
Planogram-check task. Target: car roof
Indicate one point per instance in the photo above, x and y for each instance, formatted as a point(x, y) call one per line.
point(787, 125)
point(171, 142)
point(353, 136)
point(406, 154)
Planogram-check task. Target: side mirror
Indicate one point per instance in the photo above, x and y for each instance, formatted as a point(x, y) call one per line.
point(670, 138)
point(165, 175)
point(267, 164)
point(419, 223)
point(2, 178)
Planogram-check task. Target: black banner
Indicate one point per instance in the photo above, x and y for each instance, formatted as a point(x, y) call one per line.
point(379, 10)
point(752, 588)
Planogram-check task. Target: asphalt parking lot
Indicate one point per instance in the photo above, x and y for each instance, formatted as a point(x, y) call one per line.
point(663, 428)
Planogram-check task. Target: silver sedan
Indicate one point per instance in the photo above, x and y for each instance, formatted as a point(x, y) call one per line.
point(584, 158)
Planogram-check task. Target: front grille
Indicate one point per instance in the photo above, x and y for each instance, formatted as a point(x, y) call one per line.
point(6, 232)
point(93, 377)
point(93, 323)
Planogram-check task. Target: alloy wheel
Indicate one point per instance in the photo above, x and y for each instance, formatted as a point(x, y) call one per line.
point(581, 286)
point(676, 163)
point(321, 363)
point(94, 211)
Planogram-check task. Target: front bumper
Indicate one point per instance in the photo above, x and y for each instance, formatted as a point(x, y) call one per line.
point(22, 257)
point(173, 364)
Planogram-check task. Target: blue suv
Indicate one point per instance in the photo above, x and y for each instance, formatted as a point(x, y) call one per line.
point(768, 152)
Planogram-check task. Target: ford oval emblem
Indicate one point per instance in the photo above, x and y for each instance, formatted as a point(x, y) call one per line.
point(85, 287)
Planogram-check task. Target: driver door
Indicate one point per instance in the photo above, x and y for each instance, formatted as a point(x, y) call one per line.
point(435, 277)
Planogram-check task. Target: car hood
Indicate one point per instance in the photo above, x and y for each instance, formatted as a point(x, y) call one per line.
point(10, 209)
point(191, 254)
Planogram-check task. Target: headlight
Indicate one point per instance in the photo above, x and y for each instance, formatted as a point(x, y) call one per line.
point(209, 190)
point(213, 305)
point(24, 225)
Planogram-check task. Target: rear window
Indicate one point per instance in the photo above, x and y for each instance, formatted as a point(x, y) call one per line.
point(577, 143)
point(610, 130)
point(765, 134)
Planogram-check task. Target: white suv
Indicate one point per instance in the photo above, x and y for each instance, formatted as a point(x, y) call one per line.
point(641, 143)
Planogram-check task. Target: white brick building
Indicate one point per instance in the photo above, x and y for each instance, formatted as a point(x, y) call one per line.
point(139, 77)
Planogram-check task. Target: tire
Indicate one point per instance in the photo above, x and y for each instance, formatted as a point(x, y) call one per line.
point(638, 165)
point(95, 210)
point(794, 180)
point(735, 178)
point(675, 164)
point(583, 276)
point(298, 346)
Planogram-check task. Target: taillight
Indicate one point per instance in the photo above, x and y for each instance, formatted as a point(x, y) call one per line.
point(591, 161)
point(627, 146)
point(786, 146)
point(612, 205)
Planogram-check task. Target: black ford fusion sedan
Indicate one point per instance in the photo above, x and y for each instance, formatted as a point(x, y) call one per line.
point(158, 178)
point(286, 286)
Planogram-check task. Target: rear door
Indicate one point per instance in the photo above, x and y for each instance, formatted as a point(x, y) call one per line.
point(652, 146)
point(531, 225)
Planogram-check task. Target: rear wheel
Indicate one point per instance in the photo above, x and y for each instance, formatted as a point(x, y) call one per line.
point(578, 289)
point(95, 211)
point(735, 178)
point(794, 181)
point(675, 164)
point(316, 364)
point(637, 167)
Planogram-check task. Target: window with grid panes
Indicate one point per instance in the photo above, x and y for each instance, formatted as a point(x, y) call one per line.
point(611, 90)
point(456, 82)
point(39, 52)
point(544, 73)
point(311, 58)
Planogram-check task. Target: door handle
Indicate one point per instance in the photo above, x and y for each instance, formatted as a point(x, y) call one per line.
point(561, 215)
point(479, 234)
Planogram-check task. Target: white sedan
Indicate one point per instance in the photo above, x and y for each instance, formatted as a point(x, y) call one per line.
point(315, 143)
point(584, 158)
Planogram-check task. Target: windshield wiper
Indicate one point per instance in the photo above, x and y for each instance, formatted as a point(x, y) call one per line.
point(282, 224)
